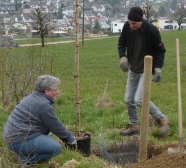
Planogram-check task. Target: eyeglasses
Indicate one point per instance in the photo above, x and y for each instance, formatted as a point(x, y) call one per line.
point(55, 90)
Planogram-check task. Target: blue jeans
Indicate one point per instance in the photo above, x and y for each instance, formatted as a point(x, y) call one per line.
point(40, 148)
point(133, 98)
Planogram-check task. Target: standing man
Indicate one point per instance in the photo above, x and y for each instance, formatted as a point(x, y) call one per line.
point(26, 131)
point(138, 39)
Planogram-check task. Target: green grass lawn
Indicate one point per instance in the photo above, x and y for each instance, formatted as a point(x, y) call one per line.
point(102, 79)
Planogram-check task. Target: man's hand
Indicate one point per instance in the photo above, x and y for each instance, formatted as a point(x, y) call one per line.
point(124, 64)
point(157, 75)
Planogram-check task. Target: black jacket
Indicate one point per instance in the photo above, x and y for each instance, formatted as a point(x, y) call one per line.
point(151, 40)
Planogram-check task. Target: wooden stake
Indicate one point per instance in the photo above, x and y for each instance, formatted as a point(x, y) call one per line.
point(180, 127)
point(145, 107)
point(180, 148)
point(76, 72)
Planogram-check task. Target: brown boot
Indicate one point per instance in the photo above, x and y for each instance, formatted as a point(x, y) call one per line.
point(164, 126)
point(133, 129)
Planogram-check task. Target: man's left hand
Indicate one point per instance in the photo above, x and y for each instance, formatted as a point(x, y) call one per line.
point(157, 75)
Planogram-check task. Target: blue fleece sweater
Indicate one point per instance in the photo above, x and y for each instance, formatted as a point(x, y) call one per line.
point(34, 116)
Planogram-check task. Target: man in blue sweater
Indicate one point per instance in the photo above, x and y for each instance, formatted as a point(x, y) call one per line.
point(138, 39)
point(26, 131)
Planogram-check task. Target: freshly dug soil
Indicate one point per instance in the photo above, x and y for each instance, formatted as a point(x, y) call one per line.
point(164, 160)
point(157, 157)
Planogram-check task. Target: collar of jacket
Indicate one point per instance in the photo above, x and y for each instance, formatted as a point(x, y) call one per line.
point(43, 94)
point(144, 25)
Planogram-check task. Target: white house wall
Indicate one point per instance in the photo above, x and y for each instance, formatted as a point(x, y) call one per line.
point(68, 12)
point(116, 26)
point(171, 25)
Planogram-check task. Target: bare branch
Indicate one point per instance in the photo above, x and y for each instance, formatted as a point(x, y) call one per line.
point(179, 16)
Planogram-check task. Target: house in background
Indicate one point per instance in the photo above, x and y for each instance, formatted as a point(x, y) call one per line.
point(19, 27)
point(62, 25)
point(4, 18)
point(68, 11)
point(98, 7)
point(51, 8)
point(116, 26)
point(162, 24)
point(87, 15)
point(7, 7)
point(166, 24)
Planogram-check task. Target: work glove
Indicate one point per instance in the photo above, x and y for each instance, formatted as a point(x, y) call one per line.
point(70, 142)
point(157, 75)
point(74, 142)
point(124, 64)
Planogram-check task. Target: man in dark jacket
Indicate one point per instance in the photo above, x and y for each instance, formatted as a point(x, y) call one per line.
point(138, 39)
point(26, 131)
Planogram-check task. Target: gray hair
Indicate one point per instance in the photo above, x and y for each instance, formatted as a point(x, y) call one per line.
point(46, 82)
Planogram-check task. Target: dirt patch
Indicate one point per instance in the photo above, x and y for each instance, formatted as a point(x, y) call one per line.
point(163, 160)
point(157, 156)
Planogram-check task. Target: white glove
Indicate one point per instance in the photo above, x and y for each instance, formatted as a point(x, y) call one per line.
point(74, 142)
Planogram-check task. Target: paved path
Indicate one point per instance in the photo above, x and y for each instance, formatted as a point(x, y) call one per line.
point(57, 42)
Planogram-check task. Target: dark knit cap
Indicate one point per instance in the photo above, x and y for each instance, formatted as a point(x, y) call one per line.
point(135, 14)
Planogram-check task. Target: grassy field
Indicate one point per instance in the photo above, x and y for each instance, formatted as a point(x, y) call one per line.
point(102, 88)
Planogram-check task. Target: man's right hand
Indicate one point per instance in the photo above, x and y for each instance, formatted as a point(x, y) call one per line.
point(124, 64)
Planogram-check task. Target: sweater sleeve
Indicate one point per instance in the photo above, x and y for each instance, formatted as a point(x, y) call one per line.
point(159, 50)
point(53, 124)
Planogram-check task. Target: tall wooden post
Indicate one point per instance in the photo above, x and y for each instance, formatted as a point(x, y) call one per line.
point(76, 72)
point(145, 108)
point(180, 117)
point(83, 22)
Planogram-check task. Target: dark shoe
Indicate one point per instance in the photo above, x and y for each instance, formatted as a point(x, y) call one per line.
point(163, 123)
point(133, 129)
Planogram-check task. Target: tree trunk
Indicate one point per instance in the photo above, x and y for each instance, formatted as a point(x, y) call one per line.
point(179, 27)
point(42, 41)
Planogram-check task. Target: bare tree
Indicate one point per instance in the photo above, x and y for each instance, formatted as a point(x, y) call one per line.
point(179, 16)
point(41, 24)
